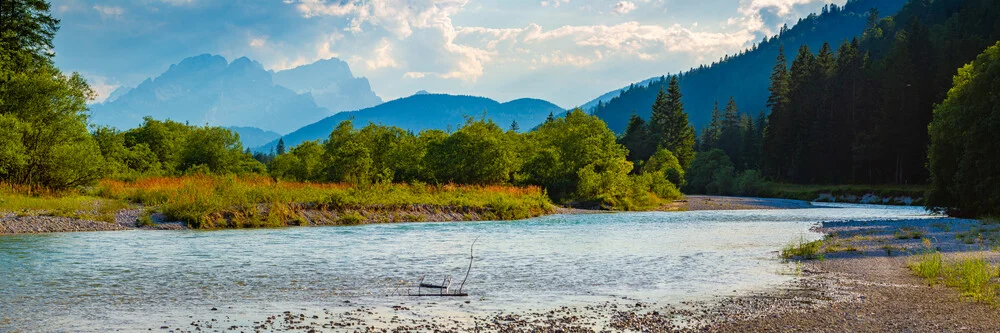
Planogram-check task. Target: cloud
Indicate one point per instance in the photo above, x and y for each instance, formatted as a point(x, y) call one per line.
point(623, 7)
point(258, 41)
point(109, 11)
point(553, 3)
point(753, 12)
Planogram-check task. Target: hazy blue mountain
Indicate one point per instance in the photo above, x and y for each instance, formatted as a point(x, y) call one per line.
point(331, 85)
point(207, 90)
point(118, 92)
point(253, 137)
point(429, 111)
point(744, 76)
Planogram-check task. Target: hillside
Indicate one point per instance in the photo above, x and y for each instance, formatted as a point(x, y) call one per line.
point(206, 89)
point(429, 111)
point(743, 76)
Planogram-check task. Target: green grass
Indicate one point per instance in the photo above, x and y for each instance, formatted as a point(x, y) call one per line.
point(211, 202)
point(803, 250)
point(811, 192)
point(69, 204)
point(975, 278)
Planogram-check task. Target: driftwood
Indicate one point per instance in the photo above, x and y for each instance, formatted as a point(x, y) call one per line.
point(444, 289)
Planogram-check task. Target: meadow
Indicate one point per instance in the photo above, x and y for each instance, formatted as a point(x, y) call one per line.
point(211, 202)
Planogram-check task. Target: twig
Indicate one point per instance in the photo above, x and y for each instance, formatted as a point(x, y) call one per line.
point(470, 266)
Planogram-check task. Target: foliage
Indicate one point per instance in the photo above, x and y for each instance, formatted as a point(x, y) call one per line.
point(44, 125)
point(711, 172)
point(668, 124)
point(210, 202)
point(964, 150)
point(858, 113)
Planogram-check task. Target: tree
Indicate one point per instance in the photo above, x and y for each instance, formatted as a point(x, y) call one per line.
point(711, 172)
point(43, 111)
point(637, 139)
point(669, 124)
point(27, 27)
point(514, 126)
point(731, 133)
point(778, 136)
point(964, 153)
point(280, 148)
point(478, 153)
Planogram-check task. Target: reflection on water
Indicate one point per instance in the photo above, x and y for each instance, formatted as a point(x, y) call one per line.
point(137, 279)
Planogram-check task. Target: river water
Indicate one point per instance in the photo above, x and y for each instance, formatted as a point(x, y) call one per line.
point(137, 280)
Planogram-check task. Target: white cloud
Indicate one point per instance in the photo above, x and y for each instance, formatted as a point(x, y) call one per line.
point(751, 10)
point(102, 86)
point(109, 11)
point(258, 41)
point(623, 7)
point(553, 3)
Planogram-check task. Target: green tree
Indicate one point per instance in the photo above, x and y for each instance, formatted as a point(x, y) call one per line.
point(711, 172)
point(669, 124)
point(637, 139)
point(478, 153)
point(964, 152)
point(280, 147)
point(779, 134)
point(44, 116)
point(26, 27)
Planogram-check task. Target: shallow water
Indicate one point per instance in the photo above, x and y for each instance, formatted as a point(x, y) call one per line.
point(135, 280)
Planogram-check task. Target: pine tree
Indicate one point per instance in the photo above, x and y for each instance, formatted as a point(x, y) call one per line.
point(730, 135)
point(514, 126)
point(669, 124)
point(280, 149)
point(777, 134)
point(637, 140)
point(550, 118)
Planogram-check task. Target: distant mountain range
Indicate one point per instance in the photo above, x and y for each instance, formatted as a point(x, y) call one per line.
point(206, 89)
point(428, 111)
point(745, 76)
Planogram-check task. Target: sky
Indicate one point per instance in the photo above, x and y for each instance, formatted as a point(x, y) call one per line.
point(564, 51)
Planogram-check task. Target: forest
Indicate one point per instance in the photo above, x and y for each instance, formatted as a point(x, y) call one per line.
point(855, 114)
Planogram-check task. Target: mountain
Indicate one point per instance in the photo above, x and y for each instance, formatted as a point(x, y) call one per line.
point(745, 76)
point(206, 89)
point(428, 111)
point(331, 85)
point(253, 137)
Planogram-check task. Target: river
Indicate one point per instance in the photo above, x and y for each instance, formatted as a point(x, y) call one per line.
point(137, 280)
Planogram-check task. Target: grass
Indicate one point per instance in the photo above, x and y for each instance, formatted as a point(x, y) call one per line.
point(27, 201)
point(975, 278)
point(211, 202)
point(811, 192)
point(803, 250)
point(909, 233)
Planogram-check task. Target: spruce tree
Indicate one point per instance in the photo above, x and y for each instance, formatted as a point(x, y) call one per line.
point(637, 140)
point(669, 124)
point(777, 135)
point(280, 149)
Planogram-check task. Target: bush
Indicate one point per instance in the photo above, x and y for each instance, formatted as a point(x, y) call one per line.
point(749, 183)
point(711, 172)
point(963, 159)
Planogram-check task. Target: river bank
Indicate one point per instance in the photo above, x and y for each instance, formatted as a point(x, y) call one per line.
point(30, 222)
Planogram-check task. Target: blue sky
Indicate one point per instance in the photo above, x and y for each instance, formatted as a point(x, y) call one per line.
point(564, 51)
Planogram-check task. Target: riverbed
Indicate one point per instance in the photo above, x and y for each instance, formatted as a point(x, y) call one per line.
point(142, 279)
